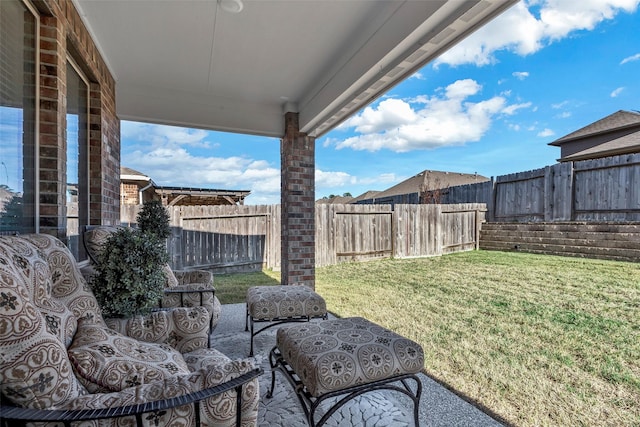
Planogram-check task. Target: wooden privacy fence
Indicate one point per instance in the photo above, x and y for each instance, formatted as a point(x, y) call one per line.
point(606, 189)
point(248, 237)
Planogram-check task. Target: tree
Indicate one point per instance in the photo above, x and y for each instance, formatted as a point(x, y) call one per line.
point(153, 219)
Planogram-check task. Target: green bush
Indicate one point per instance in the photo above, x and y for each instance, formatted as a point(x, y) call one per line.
point(153, 219)
point(129, 279)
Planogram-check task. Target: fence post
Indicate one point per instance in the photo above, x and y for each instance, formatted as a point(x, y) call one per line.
point(175, 239)
point(563, 195)
point(549, 192)
point(478, 226)
point(491, 203)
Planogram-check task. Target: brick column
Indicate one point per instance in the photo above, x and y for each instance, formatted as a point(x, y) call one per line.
point(297, 154)
point(52, 144)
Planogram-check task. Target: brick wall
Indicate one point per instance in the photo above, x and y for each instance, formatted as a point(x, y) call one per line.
point(62, 35)
point(129, 194)
point(297, 153)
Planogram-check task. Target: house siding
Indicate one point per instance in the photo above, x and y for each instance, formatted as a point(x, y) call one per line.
point(62, 35)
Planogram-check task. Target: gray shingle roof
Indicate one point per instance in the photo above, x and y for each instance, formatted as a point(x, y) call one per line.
point(618, 120)
point(434, 180)
point(629, 143)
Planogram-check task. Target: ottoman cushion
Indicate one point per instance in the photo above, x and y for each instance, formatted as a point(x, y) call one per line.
point(274, 302)
point(335, 354)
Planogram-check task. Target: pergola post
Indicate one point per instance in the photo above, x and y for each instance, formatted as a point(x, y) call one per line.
point(298, 250)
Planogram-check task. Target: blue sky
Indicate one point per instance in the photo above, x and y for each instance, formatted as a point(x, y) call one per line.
point(491, 105)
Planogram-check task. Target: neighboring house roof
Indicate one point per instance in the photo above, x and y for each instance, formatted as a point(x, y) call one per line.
point(624, 145)
point(184, 196)
point(366, 196)
point(431, 180)
point(619, 120)
point(340, 200)
point(128, 174)
point(618, 133)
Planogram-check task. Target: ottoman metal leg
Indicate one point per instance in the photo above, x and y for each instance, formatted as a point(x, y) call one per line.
point(281, 304)
point(310, 404)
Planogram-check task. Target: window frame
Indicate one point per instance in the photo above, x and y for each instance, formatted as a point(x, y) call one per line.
point(35, 225)
point(86, 184)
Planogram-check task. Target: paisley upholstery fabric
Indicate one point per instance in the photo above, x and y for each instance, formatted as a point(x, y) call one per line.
point(34, 371)
point(39, 279)
point(273, 302)
point(336, 354)
point(35, 273)
point(94, 239)
point(218, 411)
point(105, 360)
point(185, 329)
point(171, 278)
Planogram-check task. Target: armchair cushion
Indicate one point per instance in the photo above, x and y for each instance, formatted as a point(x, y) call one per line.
point(35, 273)
point(37, 372)
point(185, 329)
point(105, 360)
point(194, 276)
point(94, 239)
point(68, 285)
point(34, 369)
point(217, 410)
point(172, 280)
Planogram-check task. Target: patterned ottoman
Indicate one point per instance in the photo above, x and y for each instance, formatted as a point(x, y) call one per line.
point(282, 304)
point(345, 357)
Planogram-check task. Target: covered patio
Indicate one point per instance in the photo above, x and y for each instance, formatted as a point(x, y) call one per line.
point(439, 406)
point(291, 70)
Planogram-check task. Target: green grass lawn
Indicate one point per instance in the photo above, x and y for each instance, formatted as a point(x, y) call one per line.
point(538, 340)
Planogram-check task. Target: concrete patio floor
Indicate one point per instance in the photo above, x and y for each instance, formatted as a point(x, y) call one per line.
point(438, 406)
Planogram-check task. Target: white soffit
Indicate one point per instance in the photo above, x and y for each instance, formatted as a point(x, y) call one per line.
point(190, 63)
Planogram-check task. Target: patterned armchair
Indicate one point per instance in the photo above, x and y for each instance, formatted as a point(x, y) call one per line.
point(60, 362)
point(184, 288)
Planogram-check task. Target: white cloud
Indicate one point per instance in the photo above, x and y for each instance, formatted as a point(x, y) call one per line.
point(162, 135)
point(333, 179)
point(390, 113)
point(338, 182)
point(520, 75)
point(512, 109)
point(631, 58)
point(448, 118)
point(382, 179)
point(560, 105)
point(563, 115)
point(616, 92)
point(545, 133)
point(159, 152)
point(518, 30)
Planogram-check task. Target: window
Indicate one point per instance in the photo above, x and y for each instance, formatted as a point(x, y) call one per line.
point(18, 114)
point(77, 185)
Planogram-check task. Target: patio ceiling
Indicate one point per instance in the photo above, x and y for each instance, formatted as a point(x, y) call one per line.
point(194, 64)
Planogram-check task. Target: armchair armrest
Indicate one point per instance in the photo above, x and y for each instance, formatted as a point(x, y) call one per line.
point(17, 416)
point(202, 290)
point(183, 328)
point(193, 276)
